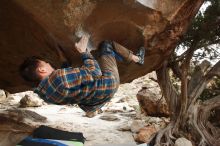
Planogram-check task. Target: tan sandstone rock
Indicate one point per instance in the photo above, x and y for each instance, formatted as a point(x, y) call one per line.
point(183, 142)
point(3, 95)
point(16, 124)
point(137, 125)
point(152, 102)
point(31, 101)
point(145, 134)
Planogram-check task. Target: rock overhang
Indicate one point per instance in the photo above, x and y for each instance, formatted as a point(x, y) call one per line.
point(39, 27)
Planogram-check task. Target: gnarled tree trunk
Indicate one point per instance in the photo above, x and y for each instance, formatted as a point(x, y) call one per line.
point(190, 117)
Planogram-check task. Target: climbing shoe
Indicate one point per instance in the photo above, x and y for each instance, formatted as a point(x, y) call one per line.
point(141, 53)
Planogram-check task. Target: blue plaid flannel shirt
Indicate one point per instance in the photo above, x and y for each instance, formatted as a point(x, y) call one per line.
point(86, 86)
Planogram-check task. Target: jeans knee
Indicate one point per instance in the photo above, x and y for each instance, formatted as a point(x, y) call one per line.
point(106, 47)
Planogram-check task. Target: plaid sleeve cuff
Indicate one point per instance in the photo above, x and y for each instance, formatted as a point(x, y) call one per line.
point(87, 55)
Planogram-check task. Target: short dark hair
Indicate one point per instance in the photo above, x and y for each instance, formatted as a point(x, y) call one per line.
point(28, 69)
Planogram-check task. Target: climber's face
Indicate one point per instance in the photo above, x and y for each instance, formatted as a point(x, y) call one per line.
point(44, 69)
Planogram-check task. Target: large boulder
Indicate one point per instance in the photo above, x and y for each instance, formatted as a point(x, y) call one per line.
point(16, 124)
point(152, 103)
point(39, 27)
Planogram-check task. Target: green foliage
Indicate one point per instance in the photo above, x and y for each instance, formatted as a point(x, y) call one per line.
point(204, 32)
point(212, 90)
point(205, 29)
point(204, 36)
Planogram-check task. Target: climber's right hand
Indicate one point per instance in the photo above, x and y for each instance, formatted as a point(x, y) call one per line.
point(82, 44)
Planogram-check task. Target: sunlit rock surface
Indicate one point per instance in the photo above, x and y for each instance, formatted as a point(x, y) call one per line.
point(120, 121)
point(37, 27)
point(152, 102)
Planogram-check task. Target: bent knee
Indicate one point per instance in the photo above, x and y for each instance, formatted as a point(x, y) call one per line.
point(106, 47)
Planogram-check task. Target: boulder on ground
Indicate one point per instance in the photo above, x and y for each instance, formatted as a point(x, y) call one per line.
point(109, 117)
point(145, 134)
point(16, 124)
point(182, 142)
point(136, 125)
point(31, 101)
point(152, 103)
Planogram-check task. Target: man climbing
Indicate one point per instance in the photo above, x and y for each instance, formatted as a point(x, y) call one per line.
point(89, 86)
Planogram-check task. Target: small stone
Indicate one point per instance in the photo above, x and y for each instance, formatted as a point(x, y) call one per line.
point(124, 127)
point(183, 142)
point(137, 125)
point(109, 117)
point(145, 134)
point(31, 101)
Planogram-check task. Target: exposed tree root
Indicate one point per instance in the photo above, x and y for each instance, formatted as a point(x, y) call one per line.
point(165, 137)
point(210, 132)
point(194, 122)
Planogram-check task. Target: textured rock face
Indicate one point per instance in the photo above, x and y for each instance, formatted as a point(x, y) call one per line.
point(31, 101)
point(182, 142)
point(152, 102)
point(145, 134)
point(38, 27)
point(15, 125)
point(2, 95)
point(120, 122)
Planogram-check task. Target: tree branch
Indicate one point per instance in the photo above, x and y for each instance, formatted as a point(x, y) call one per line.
point(197, 76)
point(203, 120)
point(215, 71)
point(173, 64)
point(185, 69)
point(168, 90)
point(184, 90)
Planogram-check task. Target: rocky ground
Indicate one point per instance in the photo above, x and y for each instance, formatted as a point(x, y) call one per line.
point(121, 122)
